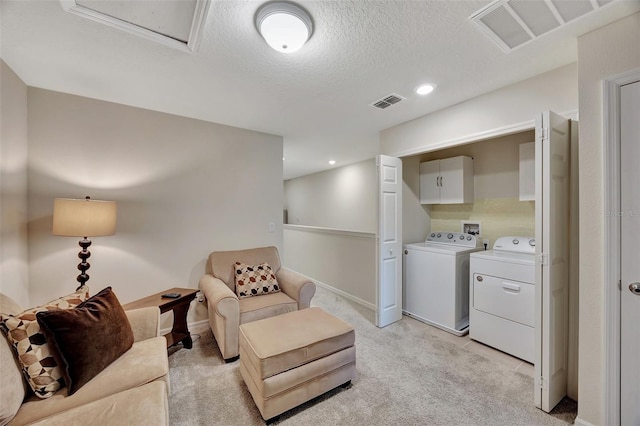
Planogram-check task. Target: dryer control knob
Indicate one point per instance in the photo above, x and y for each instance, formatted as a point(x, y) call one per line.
point(515, 241)
point(449, 236)
point(433, 234)
point(469, 238)
point(439, 235)
point(461, 237)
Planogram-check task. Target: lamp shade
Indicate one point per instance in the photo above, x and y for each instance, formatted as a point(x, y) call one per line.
point(83, 218)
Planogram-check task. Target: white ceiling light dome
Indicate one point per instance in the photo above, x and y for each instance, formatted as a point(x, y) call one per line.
point(285, 26)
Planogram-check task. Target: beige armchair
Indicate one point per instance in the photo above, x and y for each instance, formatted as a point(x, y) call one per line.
point(227, 312)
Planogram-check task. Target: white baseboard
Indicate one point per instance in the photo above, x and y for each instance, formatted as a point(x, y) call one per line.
point(340, 292)
point(581, 422)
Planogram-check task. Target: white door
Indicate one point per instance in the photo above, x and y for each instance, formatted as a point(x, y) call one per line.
point(389, 259)
point(630, 267)
point(552, 258)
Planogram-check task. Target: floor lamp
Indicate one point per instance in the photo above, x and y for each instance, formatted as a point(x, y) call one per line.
point(83, 218)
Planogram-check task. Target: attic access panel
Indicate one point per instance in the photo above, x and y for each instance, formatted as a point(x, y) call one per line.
point(514, 23)
point(175, 23)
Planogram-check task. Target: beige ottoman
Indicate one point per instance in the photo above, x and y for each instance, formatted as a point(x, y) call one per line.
point(291, 358)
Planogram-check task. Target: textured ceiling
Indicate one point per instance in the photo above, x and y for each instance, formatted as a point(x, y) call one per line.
point(317, 98)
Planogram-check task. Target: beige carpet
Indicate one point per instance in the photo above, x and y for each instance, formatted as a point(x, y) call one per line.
point(407, 373)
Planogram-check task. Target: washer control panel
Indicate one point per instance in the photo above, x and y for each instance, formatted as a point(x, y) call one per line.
point(516, 244)
point(454, 238)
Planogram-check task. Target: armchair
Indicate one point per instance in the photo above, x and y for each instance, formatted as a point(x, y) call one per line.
point(227, 312)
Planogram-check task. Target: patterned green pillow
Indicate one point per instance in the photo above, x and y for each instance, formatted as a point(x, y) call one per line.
point(35, 355)
point(254, 280)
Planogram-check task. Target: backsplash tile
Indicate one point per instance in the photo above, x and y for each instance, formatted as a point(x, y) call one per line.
point(499, 217)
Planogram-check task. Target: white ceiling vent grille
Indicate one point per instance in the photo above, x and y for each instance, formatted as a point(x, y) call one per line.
point(514, 23)
point(387, 101)
point(174, 23)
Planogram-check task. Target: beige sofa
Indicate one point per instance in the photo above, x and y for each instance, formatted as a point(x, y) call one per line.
point(131, 390)
point(227, 312)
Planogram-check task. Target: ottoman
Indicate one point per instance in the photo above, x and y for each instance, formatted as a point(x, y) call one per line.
point(292, 358)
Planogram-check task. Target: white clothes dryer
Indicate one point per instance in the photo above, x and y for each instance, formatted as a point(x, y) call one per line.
point(502, 292)
point(436, 280)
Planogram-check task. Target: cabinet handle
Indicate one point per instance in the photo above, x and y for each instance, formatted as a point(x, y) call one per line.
point(441, 181)
point(437, 180)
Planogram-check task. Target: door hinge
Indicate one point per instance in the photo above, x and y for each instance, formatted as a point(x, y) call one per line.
point(541, 383)
point(542, 259)
point(542, 133)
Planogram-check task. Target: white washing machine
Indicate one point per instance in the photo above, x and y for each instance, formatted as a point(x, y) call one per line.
point(436, 280)
point(502, 291)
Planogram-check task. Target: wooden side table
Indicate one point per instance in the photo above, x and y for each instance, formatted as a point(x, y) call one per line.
point(179, 306)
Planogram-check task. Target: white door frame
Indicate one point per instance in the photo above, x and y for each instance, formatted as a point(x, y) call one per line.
point(612, 240)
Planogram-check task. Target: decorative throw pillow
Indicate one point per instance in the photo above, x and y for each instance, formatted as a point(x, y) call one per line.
point(255, 280)
point(35, 354)
point(88, 337)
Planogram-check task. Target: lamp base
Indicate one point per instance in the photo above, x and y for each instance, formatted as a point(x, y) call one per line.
point(83, 266)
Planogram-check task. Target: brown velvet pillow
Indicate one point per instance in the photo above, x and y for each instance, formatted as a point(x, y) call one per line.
point(88, 337)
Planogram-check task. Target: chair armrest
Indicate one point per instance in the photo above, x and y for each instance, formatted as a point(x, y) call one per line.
point(296, 286)
point(145, 322)
point(215, 292)
point(224, 314)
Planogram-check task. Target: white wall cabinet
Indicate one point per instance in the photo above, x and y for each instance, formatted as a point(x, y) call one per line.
point(527, 171)
point(447, 181)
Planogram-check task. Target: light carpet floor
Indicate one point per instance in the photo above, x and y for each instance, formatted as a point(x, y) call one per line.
point(407, 373)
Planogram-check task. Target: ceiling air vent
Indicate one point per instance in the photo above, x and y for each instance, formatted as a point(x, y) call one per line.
point(387, 101)
point(514, 23)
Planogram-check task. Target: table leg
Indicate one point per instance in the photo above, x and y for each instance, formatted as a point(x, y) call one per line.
point(180, 323)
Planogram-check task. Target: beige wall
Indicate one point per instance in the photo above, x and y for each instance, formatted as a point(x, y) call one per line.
point(13, 186)
point(510, 108)
point(602, 53)
point(343, 261)
point(184, 188)
point(340, 198)
point(416, 219)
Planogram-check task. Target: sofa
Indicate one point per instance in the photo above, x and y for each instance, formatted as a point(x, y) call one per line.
point(227, 311)
point(133, 389)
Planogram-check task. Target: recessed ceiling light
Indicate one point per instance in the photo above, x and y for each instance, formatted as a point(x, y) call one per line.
point(332, 162)
point(285, 26)
point(425, 89)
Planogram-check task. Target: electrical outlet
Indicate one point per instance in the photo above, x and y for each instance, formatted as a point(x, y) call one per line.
point(272, 227)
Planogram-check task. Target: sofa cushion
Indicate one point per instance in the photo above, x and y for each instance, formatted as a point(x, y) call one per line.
point(265, 306)
point(13, 387)
point(145, 362)
point(34, 354)
point(88, 337)
point(255, 280)
point(145, 405)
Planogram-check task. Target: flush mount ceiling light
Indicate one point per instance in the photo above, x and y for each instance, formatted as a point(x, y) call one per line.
point(332, 162)
point(425, 89)
point(286, 27)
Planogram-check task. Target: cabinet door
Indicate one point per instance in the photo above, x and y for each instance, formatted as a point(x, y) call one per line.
point(430, 182)
point(452, 180)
